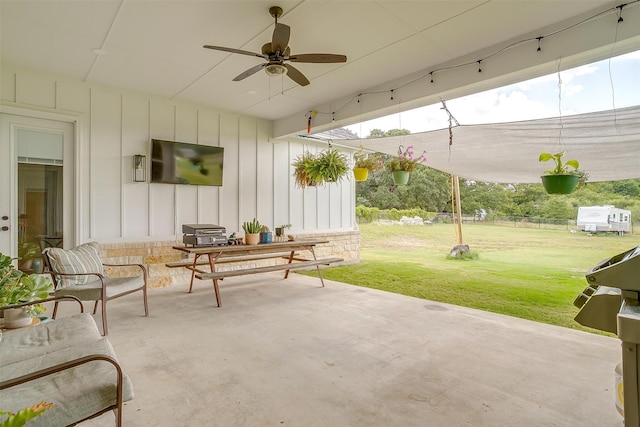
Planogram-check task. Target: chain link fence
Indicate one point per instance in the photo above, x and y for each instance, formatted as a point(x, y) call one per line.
point(506, 221)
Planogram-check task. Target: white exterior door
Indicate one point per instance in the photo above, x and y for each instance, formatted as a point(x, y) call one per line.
point(33, 183)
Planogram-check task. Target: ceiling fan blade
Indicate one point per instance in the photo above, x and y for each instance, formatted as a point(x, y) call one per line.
point(232, 50)
point(295, 75)
point(280, 39)
point(318, 58)
point(249, 72)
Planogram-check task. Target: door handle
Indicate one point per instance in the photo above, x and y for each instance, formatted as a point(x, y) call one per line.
point(4, 228)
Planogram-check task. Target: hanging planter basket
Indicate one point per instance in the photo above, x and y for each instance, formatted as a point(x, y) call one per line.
point(560, 184)
point(360, 174)
point(401, 177)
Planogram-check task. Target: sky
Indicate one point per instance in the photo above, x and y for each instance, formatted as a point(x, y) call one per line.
point(604, 85)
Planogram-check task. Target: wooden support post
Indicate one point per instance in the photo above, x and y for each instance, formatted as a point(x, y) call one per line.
point(456, 185)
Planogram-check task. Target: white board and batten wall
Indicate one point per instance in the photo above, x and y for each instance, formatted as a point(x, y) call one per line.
point(112, 125)
point(603, 219)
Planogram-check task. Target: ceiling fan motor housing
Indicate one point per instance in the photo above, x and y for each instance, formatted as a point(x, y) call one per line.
point(275, 70)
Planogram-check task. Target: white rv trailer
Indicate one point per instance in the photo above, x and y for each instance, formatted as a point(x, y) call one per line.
point(603, 218)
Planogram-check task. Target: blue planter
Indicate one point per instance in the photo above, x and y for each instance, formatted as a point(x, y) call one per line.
point(266, 237)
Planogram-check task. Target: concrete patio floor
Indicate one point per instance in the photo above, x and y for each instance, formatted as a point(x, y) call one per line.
point(289, 352)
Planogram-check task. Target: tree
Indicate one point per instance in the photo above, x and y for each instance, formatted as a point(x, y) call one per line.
point(557, 207)
point(378, 133)
point(527, 199)
point(630, 188)
point(482, 195)
point(428, 189)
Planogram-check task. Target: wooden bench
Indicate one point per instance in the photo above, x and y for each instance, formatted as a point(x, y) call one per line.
point(269, 268)
point(186, 263)
point(215, 255)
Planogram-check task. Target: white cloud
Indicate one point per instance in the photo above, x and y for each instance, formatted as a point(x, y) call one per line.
point(494, 107)
point(570, 90)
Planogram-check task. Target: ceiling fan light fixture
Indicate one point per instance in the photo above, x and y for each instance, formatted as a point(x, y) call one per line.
point(275, 70)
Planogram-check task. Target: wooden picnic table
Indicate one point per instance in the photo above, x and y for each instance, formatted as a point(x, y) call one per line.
point(216, 255)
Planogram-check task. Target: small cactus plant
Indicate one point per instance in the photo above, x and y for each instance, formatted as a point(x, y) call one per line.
point(252, 227)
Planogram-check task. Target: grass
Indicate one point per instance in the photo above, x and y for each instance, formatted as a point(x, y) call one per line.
point(528, 273)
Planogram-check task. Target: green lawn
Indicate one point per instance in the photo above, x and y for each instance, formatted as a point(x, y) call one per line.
point(528, 273)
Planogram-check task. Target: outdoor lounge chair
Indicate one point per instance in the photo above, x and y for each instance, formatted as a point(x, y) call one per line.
point(79, 272)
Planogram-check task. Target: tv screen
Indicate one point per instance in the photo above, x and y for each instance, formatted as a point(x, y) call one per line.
point(182, 163)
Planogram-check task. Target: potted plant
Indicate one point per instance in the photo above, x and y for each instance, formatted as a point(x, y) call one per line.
point(328, 166)
point(564, 178)
point(302, 163)
point(16, 288)
point(252, 231)
point(365, 163)
point(404, 163)
point(30, 257)
point(280, 230)
point(265, 235)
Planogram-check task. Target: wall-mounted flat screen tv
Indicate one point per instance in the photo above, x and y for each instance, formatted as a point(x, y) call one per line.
point(182, 163)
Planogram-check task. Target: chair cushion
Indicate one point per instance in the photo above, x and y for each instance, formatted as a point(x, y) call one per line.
point(81, 259)
point(45, 338)
point(92, 291)
point(76, 393)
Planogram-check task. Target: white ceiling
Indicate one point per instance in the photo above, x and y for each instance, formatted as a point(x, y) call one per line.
point(156, 46)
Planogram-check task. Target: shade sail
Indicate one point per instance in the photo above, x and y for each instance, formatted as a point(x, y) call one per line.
point(606, 143)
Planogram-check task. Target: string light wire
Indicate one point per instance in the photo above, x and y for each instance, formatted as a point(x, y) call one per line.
point(537, 39)
point(560, 143)
point(613, 90)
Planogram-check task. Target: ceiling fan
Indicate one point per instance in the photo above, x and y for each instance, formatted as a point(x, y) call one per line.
point(277, 53)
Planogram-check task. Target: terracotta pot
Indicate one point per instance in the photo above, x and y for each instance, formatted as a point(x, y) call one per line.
point(560, 184)
point(360, 174)
point(251, 238)
point(16, 318)
point(401, 177)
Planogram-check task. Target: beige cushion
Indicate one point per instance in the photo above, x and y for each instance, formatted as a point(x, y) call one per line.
point(81, 259)
point(45, 338)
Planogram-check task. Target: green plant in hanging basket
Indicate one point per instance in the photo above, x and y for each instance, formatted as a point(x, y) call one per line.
point(302, 164)
point(326, 166)
point(369, 162)
point(561, 168)
point(329, 166)
point(406, 161)
point(565, 177)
